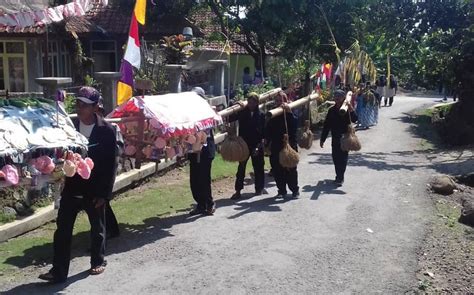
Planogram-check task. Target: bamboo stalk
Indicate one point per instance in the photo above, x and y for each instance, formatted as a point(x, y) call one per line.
point(237, 108)
point(345, 105)
point(296, 104)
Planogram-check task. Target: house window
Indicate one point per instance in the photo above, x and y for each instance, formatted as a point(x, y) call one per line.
point(13, 70)
point(59, 60)
point(104, 54)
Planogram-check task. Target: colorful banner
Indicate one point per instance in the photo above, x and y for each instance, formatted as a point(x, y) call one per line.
point(132, 56)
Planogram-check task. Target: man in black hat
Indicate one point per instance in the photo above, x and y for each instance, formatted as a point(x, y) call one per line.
point(338, 125)
point(251, 129)
point(90, 194)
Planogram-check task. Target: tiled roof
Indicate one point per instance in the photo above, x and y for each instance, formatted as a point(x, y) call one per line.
point(204, 20)
point(113, 19)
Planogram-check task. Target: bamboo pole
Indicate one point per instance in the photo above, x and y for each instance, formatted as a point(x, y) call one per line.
point(237, 108)
point(345, 105)
point(296, 104)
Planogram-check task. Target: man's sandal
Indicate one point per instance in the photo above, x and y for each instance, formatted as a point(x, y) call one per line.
point(97, 270)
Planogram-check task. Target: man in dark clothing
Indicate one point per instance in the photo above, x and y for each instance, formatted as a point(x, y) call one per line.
point(251, 129)
point(90, 194)
point(200, 173)
point(275, 130)
point(337, 124)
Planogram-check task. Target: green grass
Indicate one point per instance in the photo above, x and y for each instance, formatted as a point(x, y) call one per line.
point(5, 218)
point(133, 212)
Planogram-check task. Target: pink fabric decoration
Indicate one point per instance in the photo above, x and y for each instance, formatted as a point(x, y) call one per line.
point(11, 174)
point(160, 143)
point(83, 170)
point(191, 139)
point(170, 153)
point(147, 151)
point(89, 162)
point(130, 150)
point(44, 164)
point(69, 168)
point(2, 175)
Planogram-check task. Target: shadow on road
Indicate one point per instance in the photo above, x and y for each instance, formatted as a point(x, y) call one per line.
point(46, 288)
point(326, 187)
point(269, 204)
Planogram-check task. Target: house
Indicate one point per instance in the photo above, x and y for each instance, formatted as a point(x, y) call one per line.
point(210, 50)
point(102, 32)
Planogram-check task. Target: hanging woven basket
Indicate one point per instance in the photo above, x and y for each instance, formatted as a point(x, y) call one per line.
point(288, 157)
point(306, 139)
point(349, 140)
point(234, 149)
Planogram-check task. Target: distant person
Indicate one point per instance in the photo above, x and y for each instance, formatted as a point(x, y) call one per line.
point(381, 83)
point(337, 125)
point(391, 91)
point(251, 129)
point(200, 173)
point(247, 79)
point(90, 195)
point(274, 133)
point(258, 77)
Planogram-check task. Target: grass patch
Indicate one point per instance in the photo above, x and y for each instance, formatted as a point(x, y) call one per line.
point(450, 213)
point(6, 218)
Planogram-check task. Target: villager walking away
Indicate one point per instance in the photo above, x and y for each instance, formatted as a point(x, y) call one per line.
point(381, 83)
point(200, 173)
point(251, 129)
point(276, 128)
point(90, 194)
point(337, 124)
point(391, 91)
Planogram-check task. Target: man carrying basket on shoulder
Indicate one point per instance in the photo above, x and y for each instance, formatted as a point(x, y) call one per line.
point(338, 125)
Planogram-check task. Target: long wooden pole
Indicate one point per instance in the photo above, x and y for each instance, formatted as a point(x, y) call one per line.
point(237, 108)
point(296, 104)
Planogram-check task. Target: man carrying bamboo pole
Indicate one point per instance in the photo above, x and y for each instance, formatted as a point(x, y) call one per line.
point(275, 132)
point(337, 124)
point(251, 128)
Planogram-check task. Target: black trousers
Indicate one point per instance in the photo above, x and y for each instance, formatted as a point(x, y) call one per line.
point(68, 210)
point(390, 100)
point(283, 176)
point(111, 224)
point(258, 163)
point(339, 157)
point(200, 180)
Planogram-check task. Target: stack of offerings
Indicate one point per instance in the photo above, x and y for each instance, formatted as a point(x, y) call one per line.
point(164, 126)
point(36, 139)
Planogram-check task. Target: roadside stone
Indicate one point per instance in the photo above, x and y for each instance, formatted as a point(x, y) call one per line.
point(9, 211)
point(20, 208)
point(467, 211)
point(442, 184)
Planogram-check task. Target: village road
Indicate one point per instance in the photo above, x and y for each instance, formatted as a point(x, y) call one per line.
point(360, 238)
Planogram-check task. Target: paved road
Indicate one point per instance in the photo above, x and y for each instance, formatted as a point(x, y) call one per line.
point(317, 244)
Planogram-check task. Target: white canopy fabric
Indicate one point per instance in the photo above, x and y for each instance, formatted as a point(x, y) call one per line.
point(27, 15)
point(173, 114)
point(14, 6)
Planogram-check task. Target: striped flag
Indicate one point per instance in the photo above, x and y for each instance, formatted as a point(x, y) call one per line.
point(132, 55)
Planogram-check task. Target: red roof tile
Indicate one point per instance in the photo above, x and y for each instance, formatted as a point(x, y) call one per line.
point(205, 21)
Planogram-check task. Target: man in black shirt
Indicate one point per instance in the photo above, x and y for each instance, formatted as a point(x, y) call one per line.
point(337, 124)
point(200, 173)
point(90, 195)
point(251, 129)
point(274, 133)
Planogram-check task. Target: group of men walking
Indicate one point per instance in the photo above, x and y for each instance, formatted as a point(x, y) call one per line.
point(93, 195)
